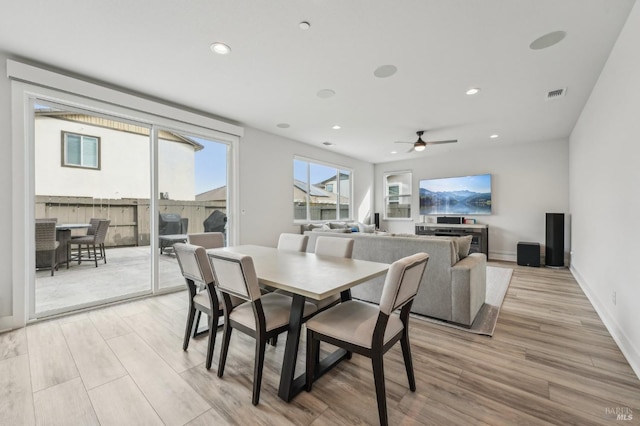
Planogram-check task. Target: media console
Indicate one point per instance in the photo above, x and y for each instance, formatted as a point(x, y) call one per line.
point(480, 233)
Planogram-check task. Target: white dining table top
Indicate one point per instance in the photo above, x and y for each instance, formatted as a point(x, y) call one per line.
point(310, 275)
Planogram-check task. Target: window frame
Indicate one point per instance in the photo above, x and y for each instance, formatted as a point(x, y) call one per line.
point(396, 199)
point(64, 159)
point(339, 169)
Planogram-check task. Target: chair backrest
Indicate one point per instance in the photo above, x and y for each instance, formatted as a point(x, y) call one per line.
point(45, 236)
point(338, 247)
point(234, 274)
point(193, 263)
point(93, 222)
point(293, 242)
point(402, 282)
point(208, 240)
point(101, 231)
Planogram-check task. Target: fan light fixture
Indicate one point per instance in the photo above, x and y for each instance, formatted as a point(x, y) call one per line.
point(420, 145)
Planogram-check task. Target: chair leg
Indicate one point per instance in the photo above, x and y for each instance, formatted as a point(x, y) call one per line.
point(213, 327)
point(187, 331)
point(378, 376)
point(226, 336)
point(95, 257)
point(194, 329)
point(104, 253)
point(408, 362)
point(273, 341)
point(53, 261)
point(261, 343)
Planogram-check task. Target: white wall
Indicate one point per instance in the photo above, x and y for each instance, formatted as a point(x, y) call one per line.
point(266, 184)
point(124, 164)
point(605, 194)
point(527, 181)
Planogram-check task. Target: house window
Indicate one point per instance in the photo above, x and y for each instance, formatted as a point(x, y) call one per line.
point(321, 191)
point(397, 195)
point(80, 150)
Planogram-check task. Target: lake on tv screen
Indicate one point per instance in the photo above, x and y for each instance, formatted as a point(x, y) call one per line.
point(455, 203)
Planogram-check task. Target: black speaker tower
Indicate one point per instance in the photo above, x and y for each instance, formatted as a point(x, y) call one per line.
point(376, 220)
point(554, 251)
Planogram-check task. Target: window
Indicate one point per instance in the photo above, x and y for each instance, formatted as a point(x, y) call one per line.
point(80, 151)
point(397, 195)
point(321, 191)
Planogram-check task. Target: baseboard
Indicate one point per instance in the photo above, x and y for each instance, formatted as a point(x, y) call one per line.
point(503, 255)
point(630, 352)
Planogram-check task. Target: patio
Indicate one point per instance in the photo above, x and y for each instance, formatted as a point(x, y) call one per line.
point(126, 272)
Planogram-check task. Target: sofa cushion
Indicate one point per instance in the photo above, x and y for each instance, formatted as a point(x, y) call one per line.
point(338, 225)
point(464, 245)
point(367, 229)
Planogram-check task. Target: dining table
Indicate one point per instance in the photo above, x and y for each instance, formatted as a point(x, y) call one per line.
point(305, 275)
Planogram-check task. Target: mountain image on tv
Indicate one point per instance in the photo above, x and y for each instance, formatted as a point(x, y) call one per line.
point(465, 195)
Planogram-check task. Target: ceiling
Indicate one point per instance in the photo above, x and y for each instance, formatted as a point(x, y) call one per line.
point(441, 48)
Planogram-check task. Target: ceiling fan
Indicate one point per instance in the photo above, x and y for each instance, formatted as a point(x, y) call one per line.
point(420, 145)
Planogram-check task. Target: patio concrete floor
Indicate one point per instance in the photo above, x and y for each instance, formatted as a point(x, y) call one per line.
point(127, 271)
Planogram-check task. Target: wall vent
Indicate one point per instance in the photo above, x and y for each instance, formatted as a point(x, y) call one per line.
point(555, 94)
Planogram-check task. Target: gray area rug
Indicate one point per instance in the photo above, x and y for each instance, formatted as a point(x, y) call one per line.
point(498, 280)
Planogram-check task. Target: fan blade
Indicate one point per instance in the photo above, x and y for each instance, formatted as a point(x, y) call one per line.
point(411, 150)
point(439, 142)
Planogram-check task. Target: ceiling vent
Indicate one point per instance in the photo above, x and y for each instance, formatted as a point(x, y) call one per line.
point(555, 94)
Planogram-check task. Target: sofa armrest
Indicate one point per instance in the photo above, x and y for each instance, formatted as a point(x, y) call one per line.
point(468, 287)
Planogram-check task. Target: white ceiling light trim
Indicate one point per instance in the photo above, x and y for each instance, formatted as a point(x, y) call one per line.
point(473, 91)
point(336, 127)
point(325, 93)
point(385, 71)
point(220, 48)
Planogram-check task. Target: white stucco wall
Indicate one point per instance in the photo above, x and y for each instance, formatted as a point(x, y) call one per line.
point(124, 164)
point(605, 178)
point(527, 181)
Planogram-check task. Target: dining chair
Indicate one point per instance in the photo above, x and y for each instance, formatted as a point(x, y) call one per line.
point(198, 276)
point(97, 239)
point(46, 241)
point(293, 242)
point(262, 316)
point(371, 330)
point(337, 247)
point(208, 240)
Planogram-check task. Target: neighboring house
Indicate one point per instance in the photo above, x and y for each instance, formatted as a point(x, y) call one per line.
point(331, 185)
point(88, 156)
point(316, 196)
point(216, 194)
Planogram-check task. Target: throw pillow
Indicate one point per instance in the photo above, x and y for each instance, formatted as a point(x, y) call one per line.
point(367, 229)
point(338, 225)
point(464, 245)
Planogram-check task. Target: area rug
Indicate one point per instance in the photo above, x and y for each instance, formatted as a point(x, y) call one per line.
point(498, 280)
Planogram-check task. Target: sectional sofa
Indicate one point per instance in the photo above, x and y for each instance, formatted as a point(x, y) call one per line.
point(454, 283)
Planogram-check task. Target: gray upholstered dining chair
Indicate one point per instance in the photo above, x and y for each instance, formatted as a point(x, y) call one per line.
point(293, 242)
point(95, 240)
point(371, 330)
point(208, 240)
point(337, 247)
point(46, 241)
point(262, 317)
point(197, 273)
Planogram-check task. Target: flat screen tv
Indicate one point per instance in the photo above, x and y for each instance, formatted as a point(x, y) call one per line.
point(464, 195)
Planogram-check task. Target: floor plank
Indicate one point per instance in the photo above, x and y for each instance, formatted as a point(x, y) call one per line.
point(16, 397)
point(64, 404)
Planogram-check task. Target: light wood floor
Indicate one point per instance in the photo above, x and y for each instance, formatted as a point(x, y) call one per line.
point(550, 361)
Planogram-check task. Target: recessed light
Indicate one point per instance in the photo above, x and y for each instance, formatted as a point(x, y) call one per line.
point(283, 125)
point(336, 127)
point(220, 48)
point(473, 91)
point(385, 71)
point(547, 40)
point(394, 152)
point(304, 25)
point(325, 93)
point(328, 143)
point(494, 136)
